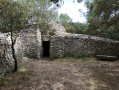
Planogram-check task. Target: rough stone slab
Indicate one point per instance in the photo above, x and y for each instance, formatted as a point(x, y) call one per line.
point(106, 57)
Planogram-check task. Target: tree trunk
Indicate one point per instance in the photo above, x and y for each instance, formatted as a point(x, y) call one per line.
point(13, 52)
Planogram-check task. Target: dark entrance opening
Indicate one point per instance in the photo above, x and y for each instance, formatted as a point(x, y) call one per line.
point(46, 48)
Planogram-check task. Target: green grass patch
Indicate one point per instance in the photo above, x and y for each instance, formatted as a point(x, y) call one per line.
point(2, 82)
point(22, 69)
point(51, 58)
point(14, 78)
point(82, 58)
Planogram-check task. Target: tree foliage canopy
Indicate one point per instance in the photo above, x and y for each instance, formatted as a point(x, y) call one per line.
point(12, 15)
point(64, 19)
point(41, 13)
point(103, 18)
point(16, 14)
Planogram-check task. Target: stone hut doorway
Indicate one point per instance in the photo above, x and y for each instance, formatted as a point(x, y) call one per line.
point(46, 48)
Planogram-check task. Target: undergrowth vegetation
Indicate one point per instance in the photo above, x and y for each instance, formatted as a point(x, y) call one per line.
point(79, 57)
point(22, 74)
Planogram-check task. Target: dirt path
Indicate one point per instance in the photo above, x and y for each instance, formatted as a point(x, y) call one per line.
point(64, 75)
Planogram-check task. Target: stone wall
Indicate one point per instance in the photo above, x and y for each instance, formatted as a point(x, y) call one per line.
point(79, 44)
point(6, 57)
point(57, 29)
point(28, 44)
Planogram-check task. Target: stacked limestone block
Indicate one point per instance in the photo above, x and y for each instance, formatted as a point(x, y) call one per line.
point(18, 48)
point(57, 29)
point(29, 43)
point(79, 44)
point(6, 56)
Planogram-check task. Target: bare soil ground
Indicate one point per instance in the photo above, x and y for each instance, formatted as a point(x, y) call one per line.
point(60, 74)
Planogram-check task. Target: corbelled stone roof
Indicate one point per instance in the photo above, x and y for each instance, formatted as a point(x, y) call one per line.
point(58, 29)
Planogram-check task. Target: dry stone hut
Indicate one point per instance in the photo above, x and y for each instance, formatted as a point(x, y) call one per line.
point(66, 44)
point(30, 43)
